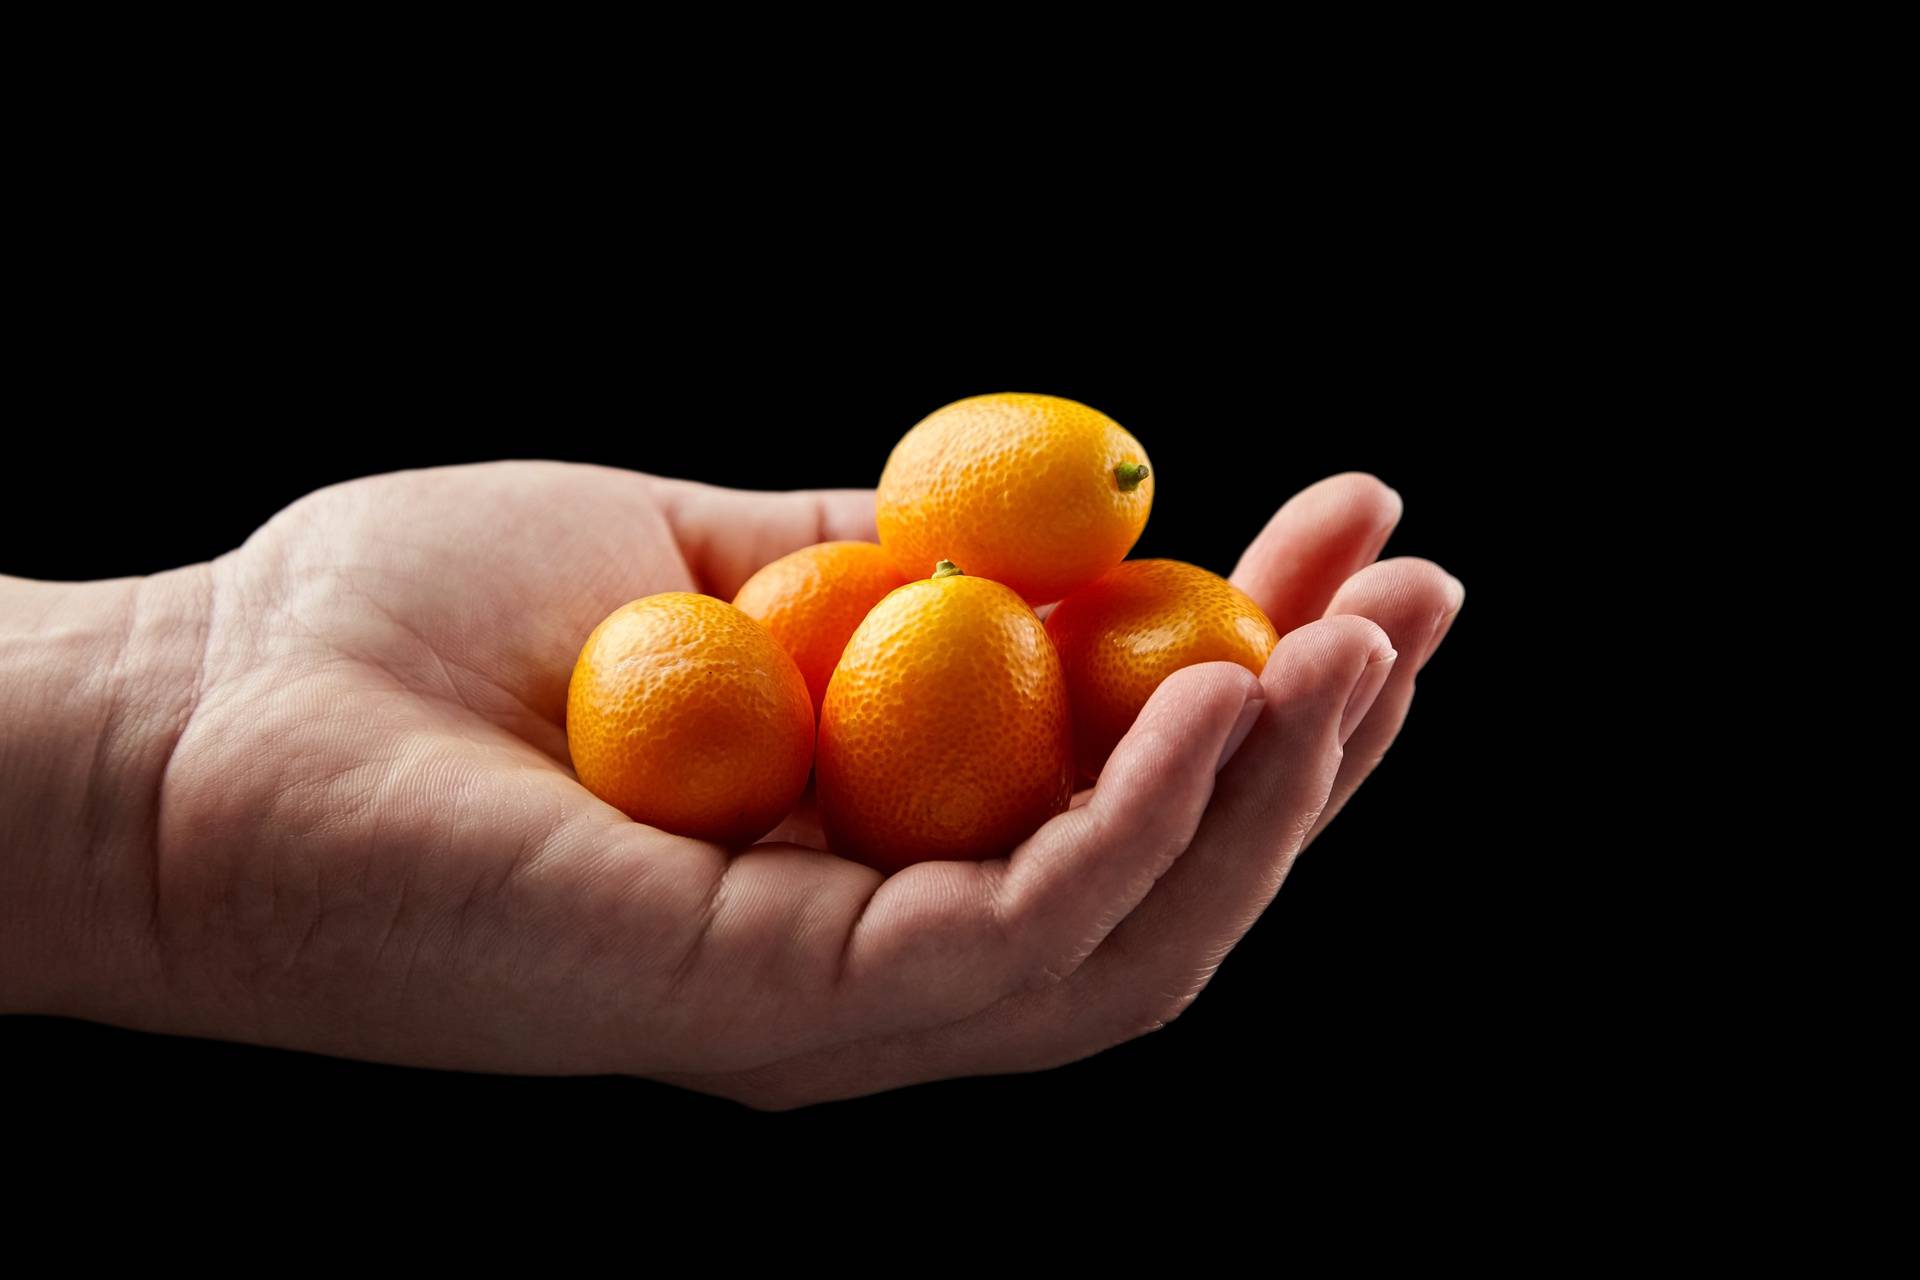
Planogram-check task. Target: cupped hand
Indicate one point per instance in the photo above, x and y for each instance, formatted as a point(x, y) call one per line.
point(368, 841)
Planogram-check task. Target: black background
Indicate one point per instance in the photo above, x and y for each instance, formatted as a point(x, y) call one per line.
point(1403, 982)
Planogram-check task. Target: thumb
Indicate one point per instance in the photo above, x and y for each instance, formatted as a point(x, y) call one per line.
point(726, 535)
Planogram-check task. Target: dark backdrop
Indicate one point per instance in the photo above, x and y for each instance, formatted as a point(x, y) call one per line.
point(1398, 983)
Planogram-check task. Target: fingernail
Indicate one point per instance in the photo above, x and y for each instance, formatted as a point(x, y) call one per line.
point(1371, 681)
point(1241, 728)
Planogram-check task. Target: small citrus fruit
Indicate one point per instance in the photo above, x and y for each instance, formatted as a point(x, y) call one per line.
point(1040, 493)
point(813, 599)
point(1121, 636)
point(944, 733)
point(684, 713)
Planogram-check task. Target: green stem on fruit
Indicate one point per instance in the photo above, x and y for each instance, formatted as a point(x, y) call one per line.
point(947, 569)
point(1129, 475)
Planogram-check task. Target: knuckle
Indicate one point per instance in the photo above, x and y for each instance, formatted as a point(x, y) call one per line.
point(1036, 978)
point(1040, 962)
point(1166, 831)
point(1045, 975)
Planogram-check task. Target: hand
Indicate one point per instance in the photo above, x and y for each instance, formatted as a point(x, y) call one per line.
point(340, 816)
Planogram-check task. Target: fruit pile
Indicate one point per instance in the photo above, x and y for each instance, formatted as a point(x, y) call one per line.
point(939, 717)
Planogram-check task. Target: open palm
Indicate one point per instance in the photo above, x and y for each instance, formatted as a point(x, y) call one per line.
point(370, 842)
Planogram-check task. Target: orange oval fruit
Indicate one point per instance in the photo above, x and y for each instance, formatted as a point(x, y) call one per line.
point(684, 713)
point(1040, 493)
point(1121, 636)
point(813, 599)
point(944, 734)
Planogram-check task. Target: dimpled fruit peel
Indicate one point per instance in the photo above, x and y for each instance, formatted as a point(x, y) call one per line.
point(684, 713)
point(1119, 637)
point(945, 732)
point(1038, 493)
point(813, 599)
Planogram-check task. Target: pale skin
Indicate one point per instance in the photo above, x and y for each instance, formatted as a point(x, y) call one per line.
point(315, 794)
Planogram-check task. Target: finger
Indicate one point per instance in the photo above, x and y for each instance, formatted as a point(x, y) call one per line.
point(940, 941)
point(1319, 682)
point(1084, 873)
point(728, 534)
point(1323, 535)
point(1151, 965)
point(1414, 602)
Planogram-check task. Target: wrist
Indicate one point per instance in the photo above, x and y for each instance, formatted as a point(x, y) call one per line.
point(97, 680)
